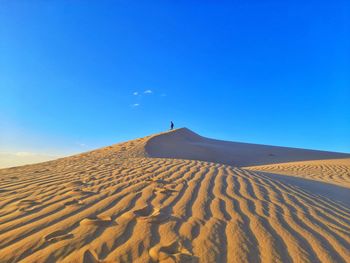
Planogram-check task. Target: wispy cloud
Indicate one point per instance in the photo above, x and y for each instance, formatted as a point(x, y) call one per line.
point(140, 96)
point(83, 145)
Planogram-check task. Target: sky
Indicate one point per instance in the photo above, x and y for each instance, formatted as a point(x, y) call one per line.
point(79, 75)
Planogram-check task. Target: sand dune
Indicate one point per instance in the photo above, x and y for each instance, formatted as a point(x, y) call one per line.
point(335, 171)
point(185, 144)
point(117, 204)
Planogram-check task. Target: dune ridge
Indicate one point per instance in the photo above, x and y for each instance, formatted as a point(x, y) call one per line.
point(334, 171)
point(185, 144)
point(120, 204)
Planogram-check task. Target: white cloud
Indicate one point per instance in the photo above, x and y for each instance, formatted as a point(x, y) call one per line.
point(148, 91)
point(135, 105)
point(135, 93)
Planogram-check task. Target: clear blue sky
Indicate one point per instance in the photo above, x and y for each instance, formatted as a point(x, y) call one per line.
point(273, 73)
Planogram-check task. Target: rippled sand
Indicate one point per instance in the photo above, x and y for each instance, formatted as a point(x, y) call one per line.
point(120, 204)
point(335, 171)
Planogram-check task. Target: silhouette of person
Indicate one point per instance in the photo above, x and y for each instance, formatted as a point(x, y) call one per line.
point(171, 125)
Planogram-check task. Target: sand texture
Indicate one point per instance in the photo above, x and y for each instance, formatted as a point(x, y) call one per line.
point(185, 144)
point(125, 203)
point(335, 171)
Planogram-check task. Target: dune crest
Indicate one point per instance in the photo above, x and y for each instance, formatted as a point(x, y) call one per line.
point(123, 204)
point(185, 144)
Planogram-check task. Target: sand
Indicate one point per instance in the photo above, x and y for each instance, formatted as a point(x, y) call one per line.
point(334, 171)
point(125, 203)
point(185, 144)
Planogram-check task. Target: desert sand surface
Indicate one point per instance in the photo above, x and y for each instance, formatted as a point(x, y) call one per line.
point(185, 144)
point(334, 171)
point(177, 197)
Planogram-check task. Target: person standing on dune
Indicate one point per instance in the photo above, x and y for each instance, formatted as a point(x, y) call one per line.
point(171, 125)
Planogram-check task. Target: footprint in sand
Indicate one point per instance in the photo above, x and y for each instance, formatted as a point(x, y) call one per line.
point(164, 191)
point(152, 215)
point(41, 171)
point(79, 191)
point(75, 183)
point(58, 236)
point(173, 252)
point(89, 180)
point(13, 177)
point(74, 202)
point(100, 221)
point(27, 205)
point(90, 256)
point(158, 181)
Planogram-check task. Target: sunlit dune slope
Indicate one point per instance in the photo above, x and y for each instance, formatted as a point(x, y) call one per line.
point(185, 144)
point(336, 171)
point(117, 204)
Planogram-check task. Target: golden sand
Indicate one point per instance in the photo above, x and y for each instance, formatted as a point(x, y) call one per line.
point(121, 204)
point(329, 171)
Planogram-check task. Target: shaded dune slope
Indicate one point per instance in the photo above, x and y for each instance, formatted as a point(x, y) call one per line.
point(116, 204)
point(185, 144)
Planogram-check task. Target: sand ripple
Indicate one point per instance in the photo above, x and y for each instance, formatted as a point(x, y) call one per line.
point(105, 206)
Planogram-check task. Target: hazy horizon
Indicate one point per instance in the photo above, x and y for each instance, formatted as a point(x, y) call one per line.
point(12, 159)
